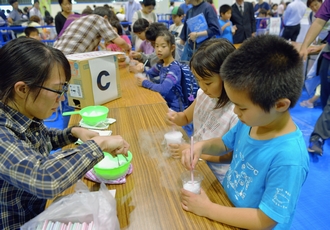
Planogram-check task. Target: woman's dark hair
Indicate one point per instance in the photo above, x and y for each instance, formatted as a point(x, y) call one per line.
point(140, 25)
point(208, 59)
point(30, 61)
point(61, 1)
point(117, 25)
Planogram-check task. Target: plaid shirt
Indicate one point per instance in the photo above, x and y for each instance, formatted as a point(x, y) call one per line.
point(84, 35)
point(29, 175)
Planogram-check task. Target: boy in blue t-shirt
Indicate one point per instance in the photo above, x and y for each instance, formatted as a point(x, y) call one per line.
point(269, 162)
point(227, 27)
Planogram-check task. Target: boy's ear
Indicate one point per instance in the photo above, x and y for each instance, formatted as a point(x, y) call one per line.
point(282, 105)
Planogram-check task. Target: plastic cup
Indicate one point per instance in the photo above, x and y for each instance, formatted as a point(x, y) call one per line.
point(173, 137)
point(189, 185)
point(140, 75)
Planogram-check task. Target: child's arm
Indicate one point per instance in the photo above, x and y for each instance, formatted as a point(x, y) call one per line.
point(247, 218)
point(181, 118)
point(225, 25)
point(167, 84)
point(214, 147)
point(225, 159)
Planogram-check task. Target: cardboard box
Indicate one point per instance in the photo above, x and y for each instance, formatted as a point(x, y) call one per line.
point(94, 78)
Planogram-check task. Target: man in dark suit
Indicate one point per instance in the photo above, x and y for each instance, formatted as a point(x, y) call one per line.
point(243, 17)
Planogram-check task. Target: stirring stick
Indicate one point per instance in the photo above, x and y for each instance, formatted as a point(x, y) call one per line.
point(145, 63)
point(191, 158)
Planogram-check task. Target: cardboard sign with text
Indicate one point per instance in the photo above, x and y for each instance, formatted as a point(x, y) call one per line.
point(94, 78)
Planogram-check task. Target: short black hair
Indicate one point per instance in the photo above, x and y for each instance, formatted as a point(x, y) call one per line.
point(309, 2)
point(140, 25)
point(49, 20)
point(263, 11)
point(267, 68)
point(30, 29)
point(224, 8)
point(11, 2)
point(149, 2)
point(153, 30)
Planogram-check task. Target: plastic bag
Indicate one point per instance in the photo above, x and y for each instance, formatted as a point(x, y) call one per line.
point(81, 206)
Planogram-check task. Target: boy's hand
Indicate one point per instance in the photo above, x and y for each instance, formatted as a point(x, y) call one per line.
point(195, 203)
point(186, 158)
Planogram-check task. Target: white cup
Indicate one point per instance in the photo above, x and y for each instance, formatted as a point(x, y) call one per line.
point(140, 75)
point(173, 137)
point(188, 184)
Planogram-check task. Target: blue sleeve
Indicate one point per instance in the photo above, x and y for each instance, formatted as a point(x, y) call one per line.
point(229, 138)
point(212, 22)
point(153, 72)
point(171, 78)
point(256, 7)
point(183, 34)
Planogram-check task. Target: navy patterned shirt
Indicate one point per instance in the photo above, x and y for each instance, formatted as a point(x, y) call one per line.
point(29, 175)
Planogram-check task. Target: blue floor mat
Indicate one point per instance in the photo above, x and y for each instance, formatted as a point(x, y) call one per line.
point(313, 205)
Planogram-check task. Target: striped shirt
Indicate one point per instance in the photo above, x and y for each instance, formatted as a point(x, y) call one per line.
point(29, 175)
point(85, 34)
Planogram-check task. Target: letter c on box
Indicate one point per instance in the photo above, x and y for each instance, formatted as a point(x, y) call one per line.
point(99, 84)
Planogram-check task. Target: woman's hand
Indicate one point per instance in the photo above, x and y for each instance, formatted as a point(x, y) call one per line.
point(112, 144)
point(193, 36)
point(83, 134)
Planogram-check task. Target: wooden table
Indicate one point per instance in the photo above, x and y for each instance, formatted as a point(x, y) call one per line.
point(132, 95)
point(150, 198)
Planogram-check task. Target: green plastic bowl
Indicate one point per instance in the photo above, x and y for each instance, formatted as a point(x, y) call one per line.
point(91, 115)
point(109, 169)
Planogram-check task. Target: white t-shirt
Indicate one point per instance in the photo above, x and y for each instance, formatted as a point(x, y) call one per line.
point(176, 31)
point(210, 123)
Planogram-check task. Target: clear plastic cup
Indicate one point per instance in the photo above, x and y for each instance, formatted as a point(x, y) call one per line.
point(189, 184)
point(173, 137)
point(140, 75)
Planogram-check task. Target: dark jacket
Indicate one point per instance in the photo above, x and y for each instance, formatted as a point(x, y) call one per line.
point(246, 23)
